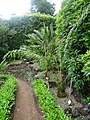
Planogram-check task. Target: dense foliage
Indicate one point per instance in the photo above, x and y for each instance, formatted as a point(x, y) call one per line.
point(30, 22)
point(3, 38)
point(73, 31)
point(47, 102)
point(13, 32)
point(7, 96)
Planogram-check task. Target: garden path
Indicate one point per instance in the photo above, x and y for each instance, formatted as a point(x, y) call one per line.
point(25, 108)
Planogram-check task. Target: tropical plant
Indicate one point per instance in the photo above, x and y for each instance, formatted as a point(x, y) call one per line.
point(8, 57)
point(61, 83)
point(73, 33)
point(3, 65)
point(12, 55)
point(43, 43)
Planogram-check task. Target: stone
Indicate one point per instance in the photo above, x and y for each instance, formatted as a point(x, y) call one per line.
point(84, 111)
point(69, 102)
point(36, 67)
point(87, 106)
point(75, 112)
point(24, 60)
point(27, 62)
point(68, 111)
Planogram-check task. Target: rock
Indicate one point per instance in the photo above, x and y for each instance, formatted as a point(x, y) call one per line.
point(87, 106)
point(25, 60)
point(75, 112)
point(69, 102)
point(27, 63)
point(36, 67)
point(78, 96)
point(85, 110)
point(68, 111)
point(83, 102)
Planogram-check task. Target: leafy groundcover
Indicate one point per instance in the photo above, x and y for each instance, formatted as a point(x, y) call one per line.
point(50, 109)
point(7, 95)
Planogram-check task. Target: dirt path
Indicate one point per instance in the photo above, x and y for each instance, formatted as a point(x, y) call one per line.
point(25, 108)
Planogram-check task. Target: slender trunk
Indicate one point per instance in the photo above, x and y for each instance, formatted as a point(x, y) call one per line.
point(61, 87)
point(60, 76)
point(46, 77)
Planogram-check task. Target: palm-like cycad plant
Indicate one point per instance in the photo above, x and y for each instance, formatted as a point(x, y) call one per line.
point(43, 43)
point(42, 39)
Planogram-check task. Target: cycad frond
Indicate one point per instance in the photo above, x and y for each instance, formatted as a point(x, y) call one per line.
point(39, 34)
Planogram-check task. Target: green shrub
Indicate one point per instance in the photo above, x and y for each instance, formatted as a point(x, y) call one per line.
point(73, 34)
point(47, 102)
point(7, 96)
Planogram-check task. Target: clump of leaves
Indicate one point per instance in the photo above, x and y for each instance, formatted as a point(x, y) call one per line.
point(47, 102)
point(7, 96)
point(12, 55)
point(85, 58)
point(87, 99)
